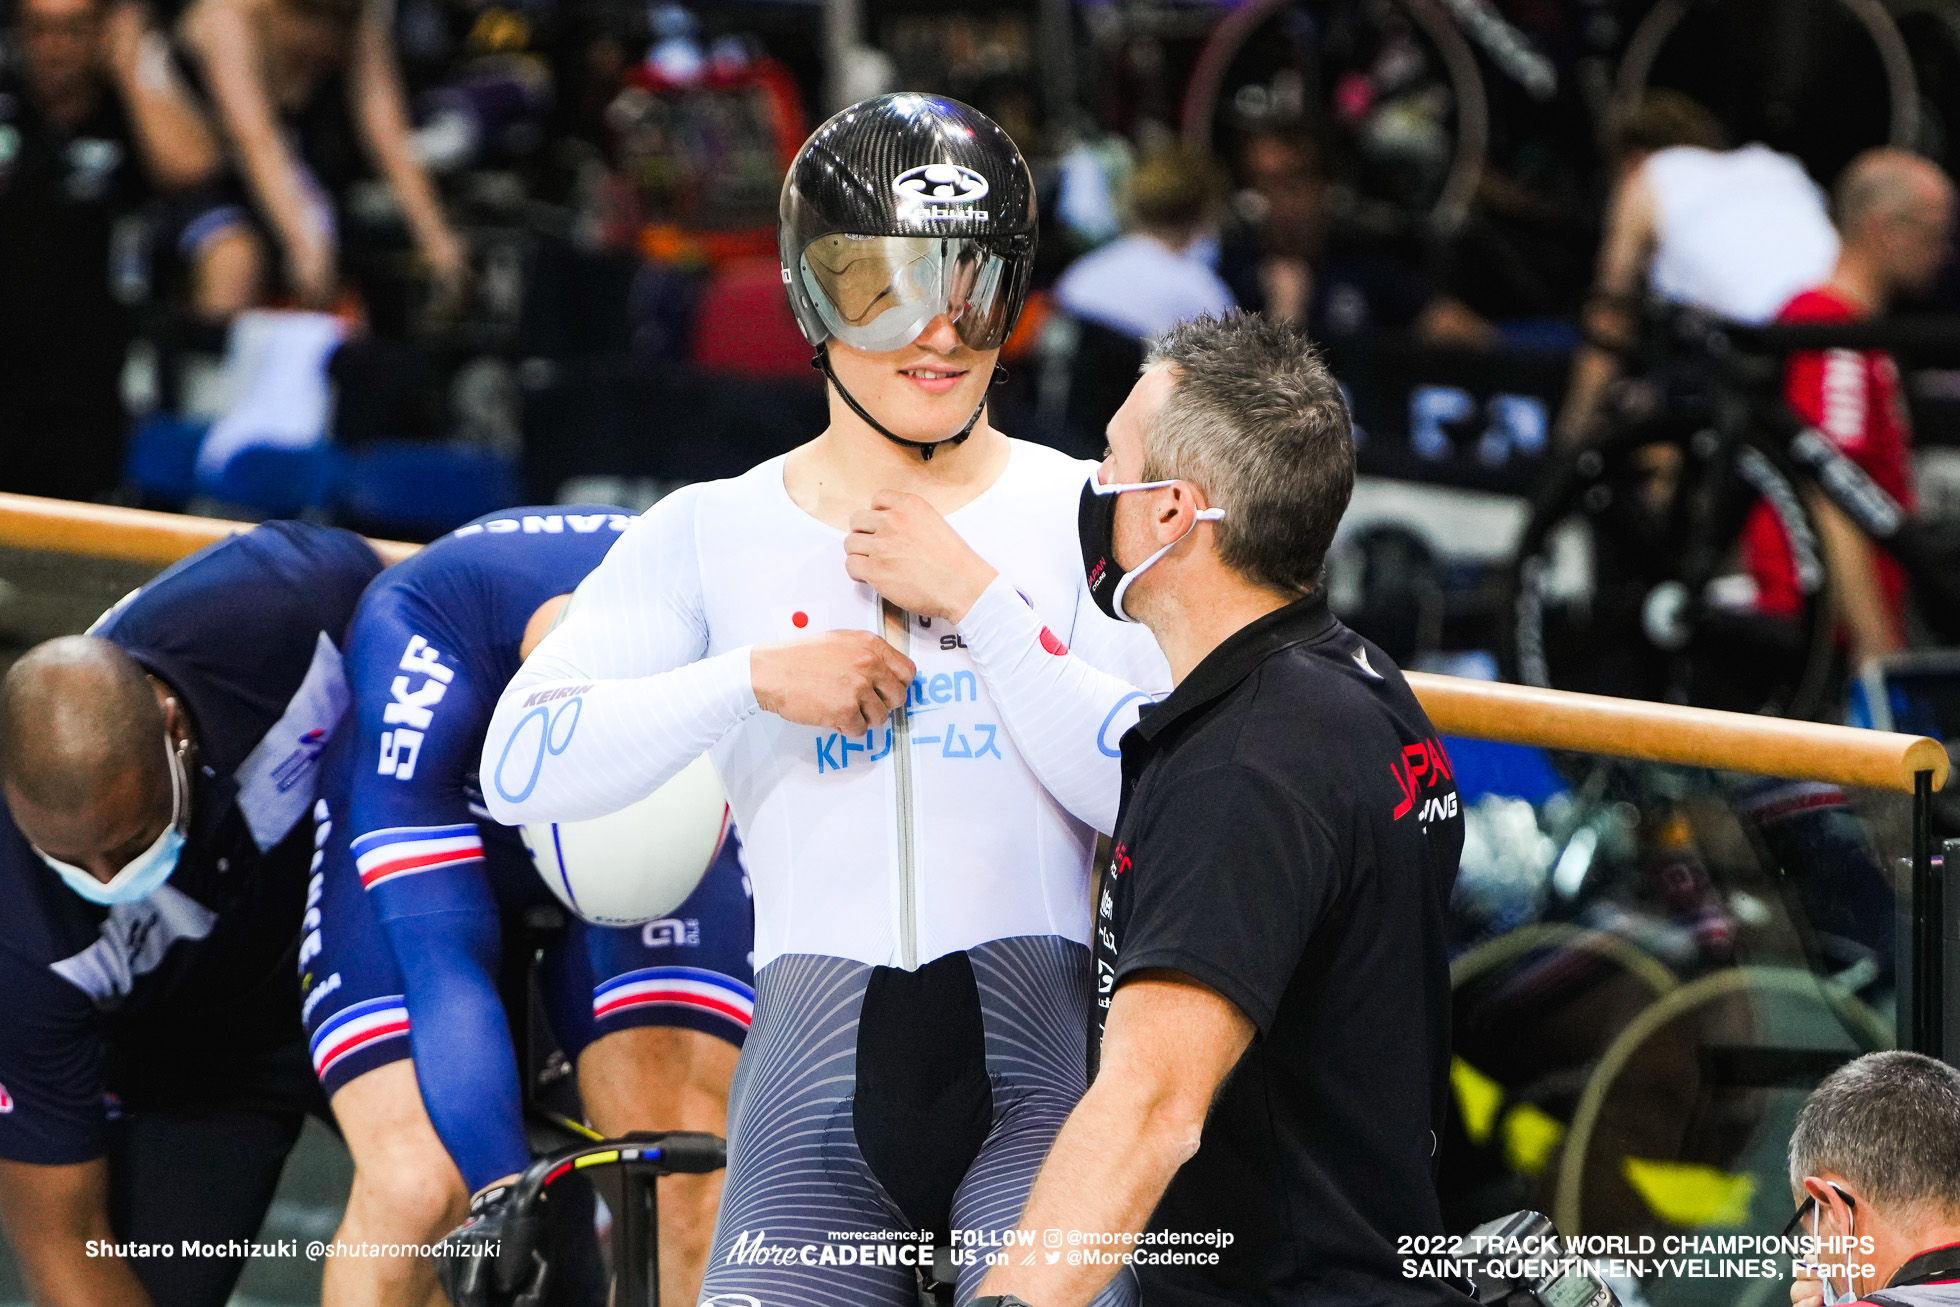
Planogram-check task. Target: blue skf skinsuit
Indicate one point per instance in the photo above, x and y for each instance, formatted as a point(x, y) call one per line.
point(164, 1033)
point(412, 962)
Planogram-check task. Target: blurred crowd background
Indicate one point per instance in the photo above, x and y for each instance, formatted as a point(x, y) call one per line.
point(393, 263)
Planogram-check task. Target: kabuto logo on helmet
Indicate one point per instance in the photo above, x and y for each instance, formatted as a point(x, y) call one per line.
point(939, 190)
point(884, 231)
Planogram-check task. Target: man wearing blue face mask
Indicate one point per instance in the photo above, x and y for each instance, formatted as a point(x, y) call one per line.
point(1875, 1168)
point(154, 859)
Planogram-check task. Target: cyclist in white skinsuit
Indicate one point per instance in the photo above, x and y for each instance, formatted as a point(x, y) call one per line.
point(1733, 232)
point(919, 820)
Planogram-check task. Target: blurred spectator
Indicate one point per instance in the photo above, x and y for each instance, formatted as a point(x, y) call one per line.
point(105, 161)
point(1118, 298)
point(309, 92)
point(1735, 232)
point(1144, 283)
point(1875, 1170)
point(1895, 214)
point(1285, 261)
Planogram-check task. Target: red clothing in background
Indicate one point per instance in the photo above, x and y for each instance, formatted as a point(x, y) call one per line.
point(1854, 398)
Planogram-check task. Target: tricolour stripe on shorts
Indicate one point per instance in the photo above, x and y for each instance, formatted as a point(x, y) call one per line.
point(399, 850)
point(694, 988)
point(352, 1029)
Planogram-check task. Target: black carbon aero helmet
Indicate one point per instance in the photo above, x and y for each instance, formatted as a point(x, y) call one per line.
point(940, 176)
point(896, 210)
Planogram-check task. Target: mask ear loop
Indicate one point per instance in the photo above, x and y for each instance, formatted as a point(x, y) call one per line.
point(1817, 1232)
point(1850, 1281)
point(1123, 586)
point(176, 756)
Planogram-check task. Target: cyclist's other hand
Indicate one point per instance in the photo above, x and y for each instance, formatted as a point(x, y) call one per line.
point(492, 1194)
point(844, 681)
point(465, 1265)
point(904, 549)
point(489, 1259)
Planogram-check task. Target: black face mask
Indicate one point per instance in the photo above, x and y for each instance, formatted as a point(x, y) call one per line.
point(1095, 524)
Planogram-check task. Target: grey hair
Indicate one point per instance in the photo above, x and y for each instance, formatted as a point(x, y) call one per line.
point(1256, 421)
point(1890, 1124)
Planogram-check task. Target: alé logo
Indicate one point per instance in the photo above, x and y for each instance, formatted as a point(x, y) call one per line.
point(1422, 767)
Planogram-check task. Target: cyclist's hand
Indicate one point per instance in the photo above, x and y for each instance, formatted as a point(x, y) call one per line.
point(846, 681)
point(902, 548)
point(490, 1259)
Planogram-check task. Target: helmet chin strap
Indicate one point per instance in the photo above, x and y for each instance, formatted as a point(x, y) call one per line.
point(925, 448)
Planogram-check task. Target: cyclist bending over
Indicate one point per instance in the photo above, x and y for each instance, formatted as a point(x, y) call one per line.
point(1734, 232)
point(414, 892)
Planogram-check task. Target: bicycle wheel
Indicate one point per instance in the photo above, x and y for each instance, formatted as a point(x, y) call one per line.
point(1821, 79)
point(1632, 576)
point(1699, 1089)
point(1394, 79)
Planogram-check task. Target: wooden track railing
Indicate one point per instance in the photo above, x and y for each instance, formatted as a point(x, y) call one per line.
point(130, 535)
point(1551, 719)
point(1662, 732)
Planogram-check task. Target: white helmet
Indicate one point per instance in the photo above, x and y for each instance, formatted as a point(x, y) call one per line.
point(640, 863)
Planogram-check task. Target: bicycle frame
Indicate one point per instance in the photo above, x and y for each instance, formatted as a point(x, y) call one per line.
point(1749, 366)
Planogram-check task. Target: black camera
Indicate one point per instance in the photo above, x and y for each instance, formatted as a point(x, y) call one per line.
point(1519, 1261)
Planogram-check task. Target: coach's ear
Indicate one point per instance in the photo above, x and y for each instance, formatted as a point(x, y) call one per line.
point(1172, 511)
point(1175, 511)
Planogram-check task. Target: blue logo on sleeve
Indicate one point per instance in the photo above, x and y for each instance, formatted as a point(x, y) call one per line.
point(555, 730)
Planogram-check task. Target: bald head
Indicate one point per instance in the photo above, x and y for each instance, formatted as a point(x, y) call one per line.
point(1895, 211)
point(79, 720)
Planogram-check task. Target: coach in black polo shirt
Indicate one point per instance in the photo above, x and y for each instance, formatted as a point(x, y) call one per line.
point(1275, 992)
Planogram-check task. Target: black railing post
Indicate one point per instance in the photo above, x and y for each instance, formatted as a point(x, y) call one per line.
point(1949, 881)
point(1928, 1034)
point(636, 1239)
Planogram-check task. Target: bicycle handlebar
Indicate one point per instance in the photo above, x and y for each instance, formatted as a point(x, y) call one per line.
point(682, 1152)
point(1922, 335)
point(496, 1258)
point(672, 1152)
point(1927, 337)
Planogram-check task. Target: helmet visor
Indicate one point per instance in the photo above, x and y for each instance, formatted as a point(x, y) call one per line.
point(877, 293)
